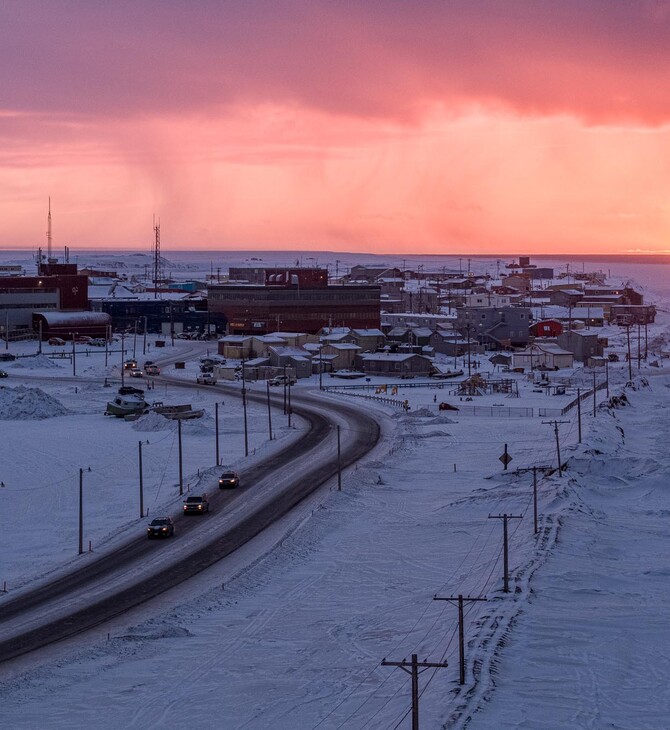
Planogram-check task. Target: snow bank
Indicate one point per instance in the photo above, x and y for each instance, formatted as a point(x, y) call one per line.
point(36, 361)
point(155, 422)
point(23, 403)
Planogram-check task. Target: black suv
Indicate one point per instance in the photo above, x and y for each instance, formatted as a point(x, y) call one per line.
point(160, 527)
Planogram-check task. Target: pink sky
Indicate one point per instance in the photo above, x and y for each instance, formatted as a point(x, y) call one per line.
point(385, 126)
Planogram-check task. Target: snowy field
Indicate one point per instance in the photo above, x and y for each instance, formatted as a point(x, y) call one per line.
point(290, 631)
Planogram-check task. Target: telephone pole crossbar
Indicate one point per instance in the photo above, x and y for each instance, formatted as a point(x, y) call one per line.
point(459, 601)
point(504, 518)
point(412, 667)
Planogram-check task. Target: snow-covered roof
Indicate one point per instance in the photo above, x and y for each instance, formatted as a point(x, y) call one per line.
point(64, 319)
point(343, 346)
point(235, 339)
point(368, 333)
point(388, 356)
point(294, 352)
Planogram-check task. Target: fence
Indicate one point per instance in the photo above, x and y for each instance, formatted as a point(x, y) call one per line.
point(495, 411)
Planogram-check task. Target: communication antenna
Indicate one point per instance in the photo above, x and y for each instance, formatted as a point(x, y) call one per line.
point(49, 233)
point(158, 273)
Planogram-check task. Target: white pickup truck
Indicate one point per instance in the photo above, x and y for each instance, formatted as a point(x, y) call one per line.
point(283, 380)
point(206, 379)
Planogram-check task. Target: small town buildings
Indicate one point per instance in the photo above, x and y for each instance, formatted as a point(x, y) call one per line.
point(343, 354)
point(395, 364)
point(368, 340)
point(625, 314)
point(546, 328)
point(582, 344)
point(495, 328)
point(543, 356)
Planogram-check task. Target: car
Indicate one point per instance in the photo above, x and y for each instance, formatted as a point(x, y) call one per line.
point(7, 356)
point(152, 370)
point(283, 380)
point(135, 373)
point(98, 342)
point(196, 505)
point(129, 390)
point(229, 480)
point(129, 364)
point(4, 374)
point(56, 341)
point(206, 379)
point(160, 527)
point(83, 339)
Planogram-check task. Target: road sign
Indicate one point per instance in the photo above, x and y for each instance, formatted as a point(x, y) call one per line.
point(505, 458)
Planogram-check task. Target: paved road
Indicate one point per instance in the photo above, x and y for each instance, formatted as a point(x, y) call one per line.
point(140, 569)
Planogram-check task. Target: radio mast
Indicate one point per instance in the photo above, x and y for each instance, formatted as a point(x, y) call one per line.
point(49, 233)
point(158, 264)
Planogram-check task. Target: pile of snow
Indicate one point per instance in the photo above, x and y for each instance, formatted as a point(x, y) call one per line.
point(36, 361)
point(153, 421)
point(23, 403)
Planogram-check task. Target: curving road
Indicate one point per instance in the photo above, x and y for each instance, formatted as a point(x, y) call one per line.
point(141, 569)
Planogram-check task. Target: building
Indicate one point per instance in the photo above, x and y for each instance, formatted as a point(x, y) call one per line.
point(543, 356)
point(625, 314)
point(495, 328)
point(299, 300)
point(394, 364)
point(70, 325)
point(582, 344)
point(546, 328)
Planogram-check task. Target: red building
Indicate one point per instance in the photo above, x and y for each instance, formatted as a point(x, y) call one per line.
point(546, 328)
point(295, 300)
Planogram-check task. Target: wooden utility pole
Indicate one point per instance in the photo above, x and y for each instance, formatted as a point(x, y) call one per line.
point(288, 407)
point(267, 385)
point(141, 483)
point(639, 345)
point(181, 462)
point(594, 393)
point(630, 362)
point(579, 416)
point(535, 470)
point(556, 424)
point(607, 377)
point(504, 518)
point(123, 365)
point(244, 409)
point(460, 600)
point(339, 461)
point(81, 511)
point(412, 668)
point(216, 428)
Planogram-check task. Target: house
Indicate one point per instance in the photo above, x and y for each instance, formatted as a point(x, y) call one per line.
point(565, 297)
point(625, 314)
point(394, 364)
point(582, 344)
point(296, 358)
point(368, 340)
point(494, 328)
point(543, 356)
point(487, 299)
point(546, 328)
point(342, 355)
point(235, 347)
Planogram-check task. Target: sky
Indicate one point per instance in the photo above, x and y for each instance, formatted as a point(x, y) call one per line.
point(451, 126)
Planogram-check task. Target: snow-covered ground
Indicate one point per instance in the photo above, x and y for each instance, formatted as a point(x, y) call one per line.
point(290, 632)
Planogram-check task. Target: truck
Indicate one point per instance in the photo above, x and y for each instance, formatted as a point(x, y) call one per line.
point(196, 505)
point(206, 379)
point(283, 380)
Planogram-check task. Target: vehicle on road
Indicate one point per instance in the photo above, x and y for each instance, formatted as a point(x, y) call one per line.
point(56, 341)
point(160, 527)
point(4, 374)
point(229, 480)
point(283, 380)
point(196, 505)
point(135, 373)
point(206, 379)
point(129, 364)
point(152, 370)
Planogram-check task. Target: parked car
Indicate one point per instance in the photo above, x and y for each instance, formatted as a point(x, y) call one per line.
point(7, 356)
point(229, 480)
point(135, 373)
point(129, 390)
point(283, 380)
point(97, 342)
point(4, 374)
point(56, 341)
point(152, 370)
point(83, 339)
point(206, 379)
point(196, 505)
point(160, 527)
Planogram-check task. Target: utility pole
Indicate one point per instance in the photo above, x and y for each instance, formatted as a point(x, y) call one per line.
point(412, 668)
point(460, 600)
point(556, 424)
point(74, 354)
point(535, 470)
point(267, 385)
point(106, 345)
point(216, 428)
point(244, 409)
point(288, 408)
point(123, 365)
point(607, 377)
point(339, 460)
point(181, 461)
point(469, 362)
point(594, 393)
point(284, 389)
point(141, 482)
point(504, 518)
point(144, 344)
point(646, 339)
point(630, 362)
point(579, 416)
point(639, 345)
point(321, 367)
point(81, 511)
point(135, 339)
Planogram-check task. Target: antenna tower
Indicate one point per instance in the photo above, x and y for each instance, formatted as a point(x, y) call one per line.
point(158, 267)
point(49, 233)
